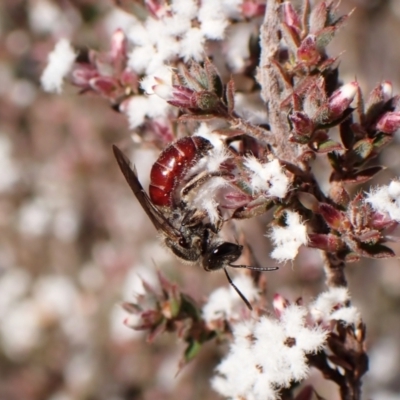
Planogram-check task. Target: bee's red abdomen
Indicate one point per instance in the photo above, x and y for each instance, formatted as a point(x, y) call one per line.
point(172, 165)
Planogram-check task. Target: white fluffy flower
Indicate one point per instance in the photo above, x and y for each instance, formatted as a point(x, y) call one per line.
point(334, 305)
point(268, 355)
point(386, 200)
point(268, 177)
point(192, 45)
point(213, 21)
point(60, 63)
point(136, 109)
point(185, 8)
point(288, 239)
point(225, 303)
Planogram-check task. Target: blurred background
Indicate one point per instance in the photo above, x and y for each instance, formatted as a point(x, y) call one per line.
point(74, 242)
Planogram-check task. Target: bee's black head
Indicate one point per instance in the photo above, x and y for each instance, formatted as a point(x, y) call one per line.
point(221, 255)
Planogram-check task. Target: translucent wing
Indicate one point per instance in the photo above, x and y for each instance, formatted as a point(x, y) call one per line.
point(156, 217)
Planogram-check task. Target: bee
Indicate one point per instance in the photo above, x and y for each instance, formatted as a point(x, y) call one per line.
point(187, 236)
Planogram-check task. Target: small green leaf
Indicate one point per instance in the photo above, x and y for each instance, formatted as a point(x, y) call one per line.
point(382, 140)
point(328, 146)
point(192, 350)
point(363, 148)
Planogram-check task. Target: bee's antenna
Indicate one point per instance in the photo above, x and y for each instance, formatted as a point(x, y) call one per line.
point(254, 268)
point(238, 291)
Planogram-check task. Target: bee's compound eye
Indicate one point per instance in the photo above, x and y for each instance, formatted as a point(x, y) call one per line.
point(226, 249)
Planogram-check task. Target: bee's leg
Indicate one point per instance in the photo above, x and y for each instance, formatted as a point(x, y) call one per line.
point(190, 252)
point(199, 180)
point(194, 184)
point(217, 226)
point(206, 240)
point(193, 217)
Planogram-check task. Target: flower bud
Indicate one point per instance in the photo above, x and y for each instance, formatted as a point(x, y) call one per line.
point(341, 99)
point(290, 16)
point(333, 217)
point(389, 122)
point(387, 90)
point(82, 74)
point(308, 52)
point(302, 125)
point(118, 45)
point(206, 100)
point(279, 303)
point(330, 243)
point(251, 9)
point(103, 85)
point(381, 221)
point(129, 79)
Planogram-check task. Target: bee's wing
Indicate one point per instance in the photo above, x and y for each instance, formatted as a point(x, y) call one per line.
point(156, 217)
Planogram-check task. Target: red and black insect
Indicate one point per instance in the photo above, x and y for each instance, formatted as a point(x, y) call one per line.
point(190, 239)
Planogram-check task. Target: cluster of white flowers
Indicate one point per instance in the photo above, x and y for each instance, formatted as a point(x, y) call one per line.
point(288, 239)
point(267, 355)
point(267, 177)
point(178, 31)
point(386, 200)
point(334, 305)
point(181, 31)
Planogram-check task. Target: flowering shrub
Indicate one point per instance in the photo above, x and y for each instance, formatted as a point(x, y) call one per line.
point(255, 80)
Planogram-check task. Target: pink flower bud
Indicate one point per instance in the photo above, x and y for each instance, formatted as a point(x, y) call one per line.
point(290, 16)
point(330, 243)
point(155, 8)
point(162, 131)
point(387, 90)
point(118, 45)
point(130, 79)
point(82, 74)
point(302, 125)
point(381, 221)
point(308, 53)
point(176, 95)
point(104, 85)
point(251, 9)
point(334, 218)
point(389, 122)
point(341, 99)
point(279, 303)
